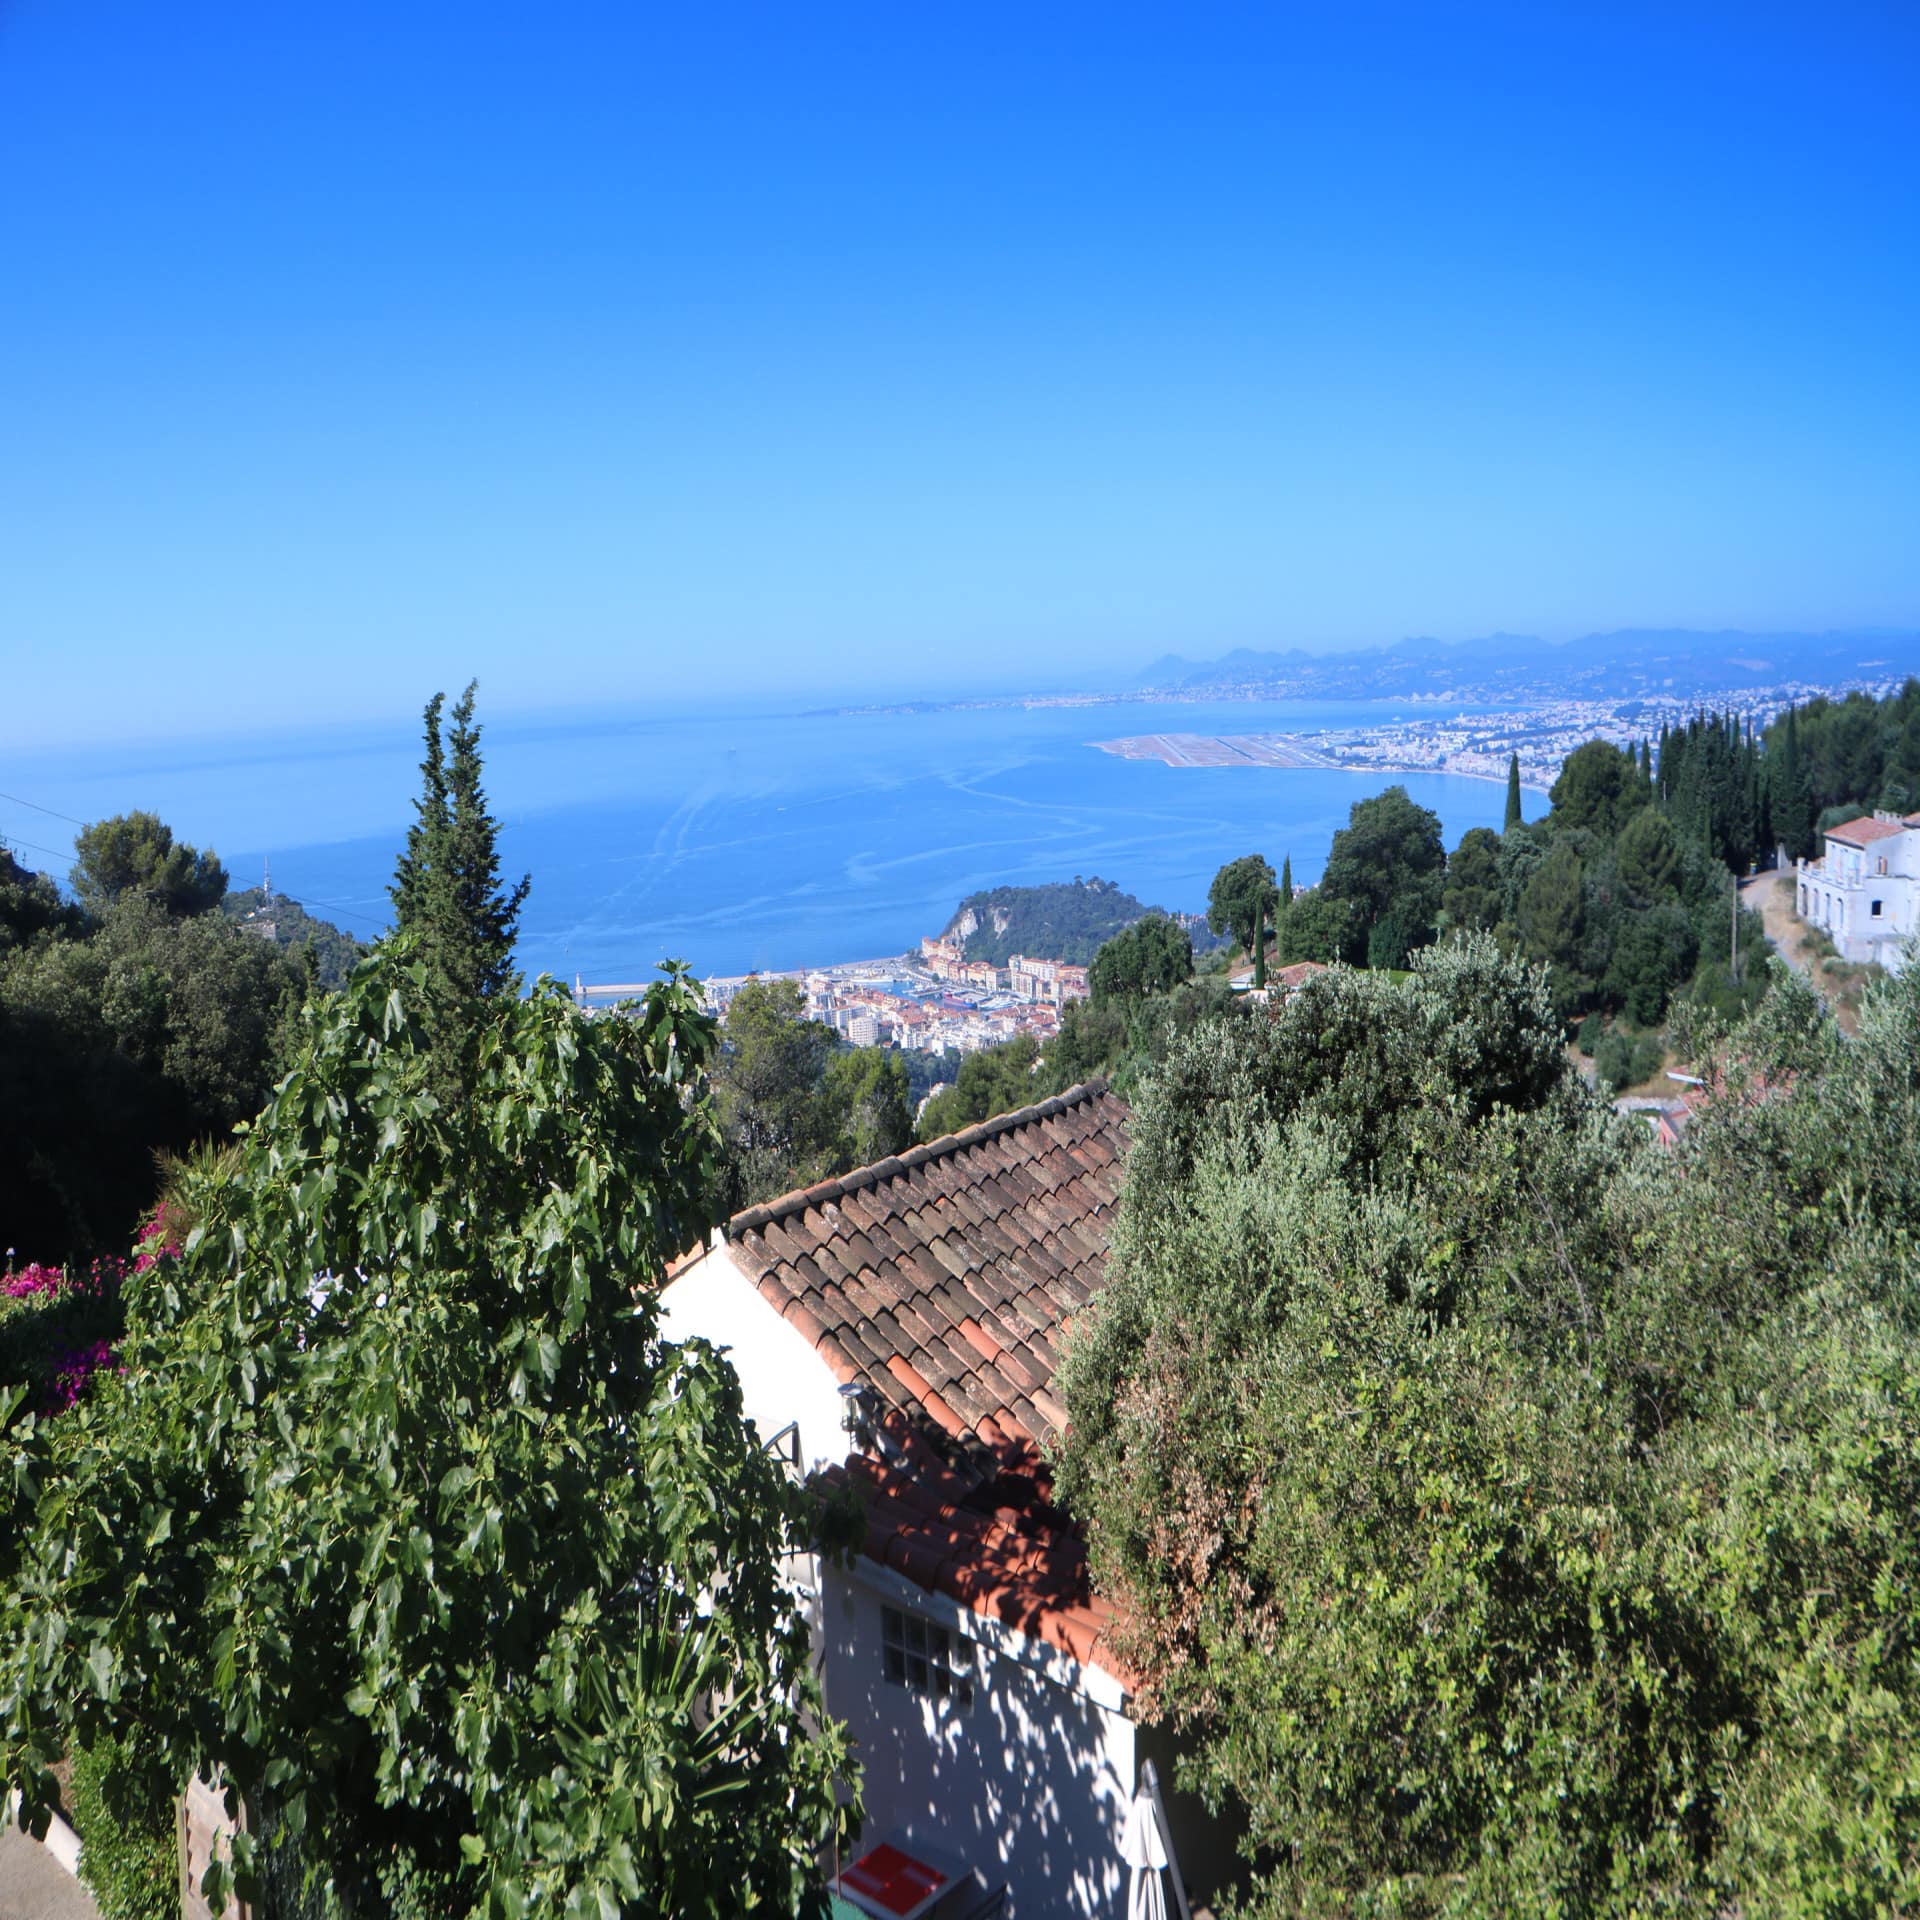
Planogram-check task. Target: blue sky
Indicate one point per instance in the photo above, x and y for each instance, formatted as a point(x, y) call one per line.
point(644, 352)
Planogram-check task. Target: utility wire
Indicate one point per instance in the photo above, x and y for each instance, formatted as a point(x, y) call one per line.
point(51, 852)
point(38, 808)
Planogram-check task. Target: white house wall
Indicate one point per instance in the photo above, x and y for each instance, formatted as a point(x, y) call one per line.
point(782, 1376)
point(1030, 1785)
point(1837, 893)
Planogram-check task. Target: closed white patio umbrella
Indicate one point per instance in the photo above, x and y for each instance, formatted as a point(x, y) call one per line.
point(1145, 1853)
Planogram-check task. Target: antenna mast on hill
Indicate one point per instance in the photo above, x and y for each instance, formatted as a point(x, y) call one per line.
point(266, 885)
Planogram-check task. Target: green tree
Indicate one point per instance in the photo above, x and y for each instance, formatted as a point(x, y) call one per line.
point(1471, 900)
point(149, 1034)
point(1315, 927)
point(992, 1081)
point(404, 1516)
point(1653, 958)
point(1286, 883)
point(30, 906)
point(1514, 816)
point(1647, 856)
point(1516, 1518)
point(446, 889)
point(1552, 913)
point(1236, 895)
point(1598, 787)
point(296, 932)
point(1791, 799)
point(779, 1130)
point(136, 852)
point(1388, 864)
point(865, 1094)
point(1151, 956)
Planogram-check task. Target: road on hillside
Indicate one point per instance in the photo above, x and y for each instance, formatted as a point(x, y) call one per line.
point(1770, 895)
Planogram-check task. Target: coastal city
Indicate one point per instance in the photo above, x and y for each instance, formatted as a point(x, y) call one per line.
point(924, 1001)
point(1479, 745)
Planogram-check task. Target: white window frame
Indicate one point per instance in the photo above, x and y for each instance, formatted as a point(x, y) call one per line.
point(926, 1659)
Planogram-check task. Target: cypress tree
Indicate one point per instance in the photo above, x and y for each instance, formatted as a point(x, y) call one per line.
point(1792, 793)
point(1286, 882)
point(411, 876)
point(446, 886)
point(1513, 793)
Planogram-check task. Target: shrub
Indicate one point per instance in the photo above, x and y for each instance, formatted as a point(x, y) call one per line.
point(1625, 1060)
point(123, 1813)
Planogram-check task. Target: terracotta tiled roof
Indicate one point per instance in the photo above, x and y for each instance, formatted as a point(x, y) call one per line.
point(1861, 833)
point(943, 1281)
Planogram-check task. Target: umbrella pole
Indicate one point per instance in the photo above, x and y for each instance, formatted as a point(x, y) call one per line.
point(1150, 1779)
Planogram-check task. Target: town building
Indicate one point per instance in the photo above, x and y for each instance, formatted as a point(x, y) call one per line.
point(1864, 890)
point(1054, 981)
point(898, 1331)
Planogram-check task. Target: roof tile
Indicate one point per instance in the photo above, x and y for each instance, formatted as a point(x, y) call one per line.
point(942, 1280)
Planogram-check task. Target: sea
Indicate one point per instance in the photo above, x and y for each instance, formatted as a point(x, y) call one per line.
point(735, 836)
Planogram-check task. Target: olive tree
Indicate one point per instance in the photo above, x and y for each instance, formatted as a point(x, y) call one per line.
point(1514, 1517)
point(404, 1518)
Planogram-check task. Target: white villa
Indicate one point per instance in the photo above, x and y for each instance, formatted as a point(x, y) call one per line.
point(1864, 890)
point(897, 1330)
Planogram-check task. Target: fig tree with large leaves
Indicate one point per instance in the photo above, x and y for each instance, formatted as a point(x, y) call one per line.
point(403, 1519)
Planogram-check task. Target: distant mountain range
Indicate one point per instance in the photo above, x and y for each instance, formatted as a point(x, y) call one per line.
point(1519, 666)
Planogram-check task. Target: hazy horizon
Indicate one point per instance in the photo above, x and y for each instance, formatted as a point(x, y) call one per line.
point(610, 354)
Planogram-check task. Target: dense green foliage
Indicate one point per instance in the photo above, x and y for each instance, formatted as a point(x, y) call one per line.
point(1519, 1519)
point(993, 1080)
point(1117, 1037)
point(127, 1032)
point(794, 1104)
point(1621, 889)
point(1315, 926)
point(123, 1812)
point(1152, 956)
point(1242, 890)
point(31, 907)
point(1835, 753)
point(446, 888)
point(1387, 867)
point(402, 1514)
point(137, 853)
point(1068, 920)
point(297, 932)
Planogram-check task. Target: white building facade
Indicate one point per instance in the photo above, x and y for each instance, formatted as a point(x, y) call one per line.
point(1864, 890)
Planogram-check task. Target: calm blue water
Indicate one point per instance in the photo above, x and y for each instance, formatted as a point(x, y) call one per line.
point(743, 839)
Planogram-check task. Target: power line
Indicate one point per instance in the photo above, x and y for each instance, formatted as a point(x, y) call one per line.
point(54, 812)
point(53, 853)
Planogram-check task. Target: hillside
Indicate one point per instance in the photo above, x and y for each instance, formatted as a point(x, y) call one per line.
point(290, 926)
point(1519, 666)
point(1068, 920)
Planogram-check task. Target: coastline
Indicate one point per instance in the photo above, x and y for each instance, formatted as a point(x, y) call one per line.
point(1391, 769)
